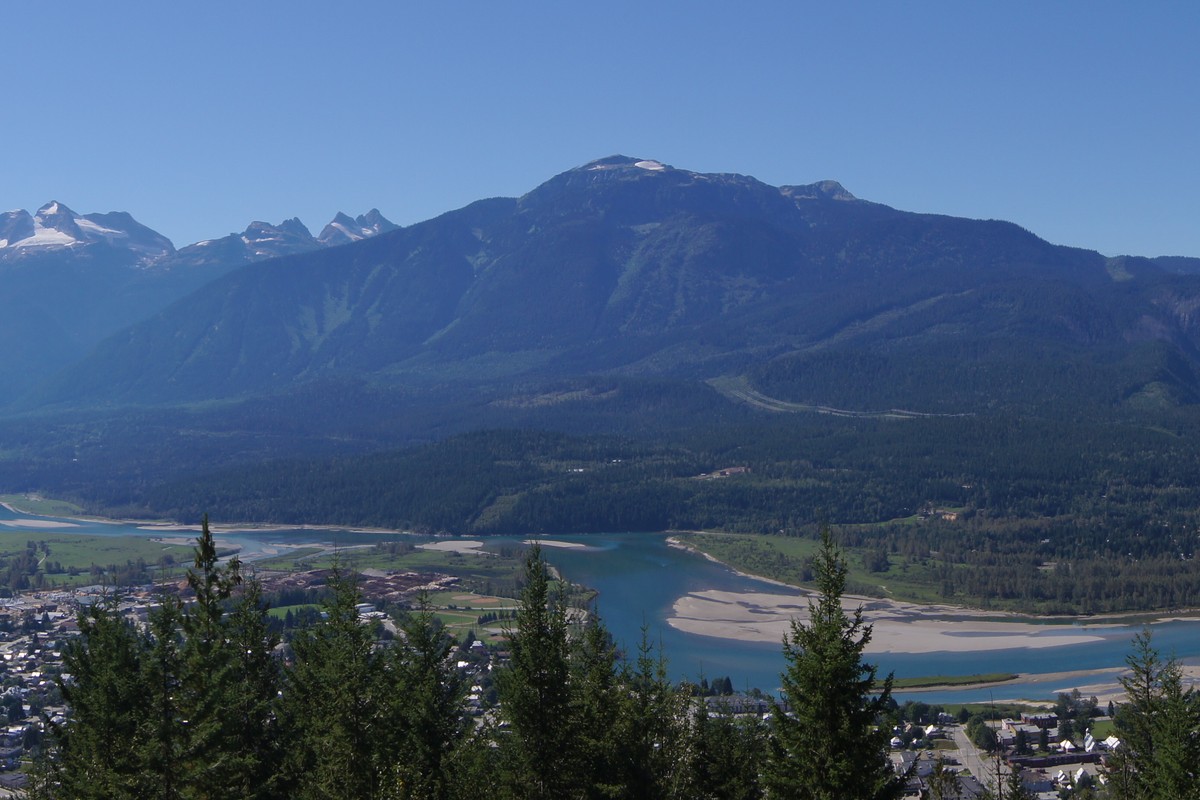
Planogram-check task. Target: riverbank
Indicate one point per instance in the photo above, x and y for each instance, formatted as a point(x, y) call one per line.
point(897, 626)
point(156, 526)
point(908, 629)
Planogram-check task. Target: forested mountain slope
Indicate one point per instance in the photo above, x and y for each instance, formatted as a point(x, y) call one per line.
point(631, 267)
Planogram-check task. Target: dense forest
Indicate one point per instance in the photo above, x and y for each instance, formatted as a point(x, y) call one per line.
point(204, 705)
point(1087, 503)
point(1098, 517)
point(849, 471)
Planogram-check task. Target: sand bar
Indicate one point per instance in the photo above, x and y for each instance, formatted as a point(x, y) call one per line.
point(898, 627)
point(454, 546)
point(556, 543)
point(36, 523)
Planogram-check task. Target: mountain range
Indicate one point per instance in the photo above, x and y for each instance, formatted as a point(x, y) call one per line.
point(630, 267)
point(623, 296)
point(69, 280)
point(57, 230)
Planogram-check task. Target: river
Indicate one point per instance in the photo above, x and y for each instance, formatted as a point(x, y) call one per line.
point(639, 578)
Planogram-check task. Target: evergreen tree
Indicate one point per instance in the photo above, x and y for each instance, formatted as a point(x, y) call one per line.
point(162, 738)
point(1159, 729)
point(108, 704)
point(539, 751)
point(942, 782)
point(209, 678)
point(830, 746)
point(596, 699)
point(1175, 770)
point(1014, 787)
point(427, 721)
point(332, 704)
point(657, 740)
point(255, 758)
point(727, 756)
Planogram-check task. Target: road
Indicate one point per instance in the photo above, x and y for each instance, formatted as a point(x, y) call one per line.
point(981, 765)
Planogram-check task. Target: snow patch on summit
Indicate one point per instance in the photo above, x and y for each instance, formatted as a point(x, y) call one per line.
point(99, 230)
point(46, 237)
point(653, 166)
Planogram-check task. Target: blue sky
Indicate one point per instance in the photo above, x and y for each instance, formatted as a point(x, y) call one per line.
point(1079, 121)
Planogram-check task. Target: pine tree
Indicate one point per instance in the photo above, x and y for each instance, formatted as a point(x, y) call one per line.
point(189, 698)
point(1175, 770)
point(251, 710)
point(942, 782)
point(209, 677)
point(162, 740)
point(107, 705)
point(1014, 787)
point(727, 757)
point(830, 747)
point(655, 729)
point(1159, 729)
point(596, 706)
point(427, 721)
point(332, 706)
point(539, 751)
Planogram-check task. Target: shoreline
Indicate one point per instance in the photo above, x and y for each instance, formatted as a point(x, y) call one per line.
point(1019, 678)
point(897, 627)
point(949, 611)
point(152, 526)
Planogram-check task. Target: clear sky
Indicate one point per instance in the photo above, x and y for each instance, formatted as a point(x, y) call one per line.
point(1077, 120)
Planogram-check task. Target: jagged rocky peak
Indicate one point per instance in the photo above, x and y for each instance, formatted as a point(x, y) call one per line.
point(263, 240)
point(15, 226)
point(265, 230)
point(55, 216)
point(121, 230)
point(343, 229)
point(289, 236)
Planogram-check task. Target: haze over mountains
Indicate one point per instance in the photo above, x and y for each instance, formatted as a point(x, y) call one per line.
point(623, 296)
point(70, 279)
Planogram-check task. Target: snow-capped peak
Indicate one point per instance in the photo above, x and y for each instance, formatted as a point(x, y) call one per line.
point(56, 226)
point(343, 229)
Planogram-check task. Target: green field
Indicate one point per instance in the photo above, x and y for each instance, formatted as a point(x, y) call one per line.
point(282, 611)
point(460, 613)
point(783, 558)
point(43, 506)
point(44, 559)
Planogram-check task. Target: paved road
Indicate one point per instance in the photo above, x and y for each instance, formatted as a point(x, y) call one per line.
point(981, 765)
